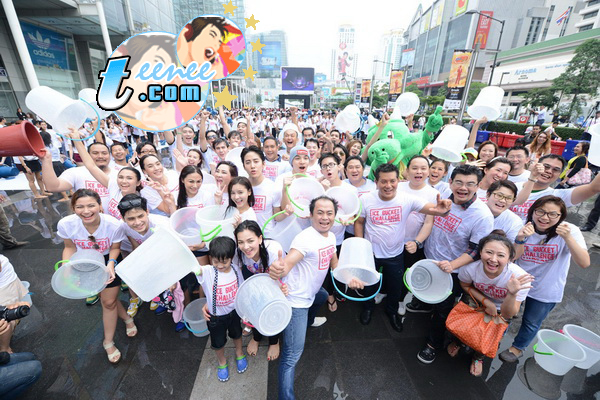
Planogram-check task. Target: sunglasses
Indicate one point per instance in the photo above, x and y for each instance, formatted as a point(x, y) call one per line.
point(128, 204)
point(96, 246)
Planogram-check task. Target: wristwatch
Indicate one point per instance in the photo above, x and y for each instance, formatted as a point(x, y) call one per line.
point(419, 244)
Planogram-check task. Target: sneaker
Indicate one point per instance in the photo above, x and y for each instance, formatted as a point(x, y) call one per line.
point(179, 326)
point(242, 364)
point(318, 322)
point(427, 355)
point(418, 307)
point(124, 287)
point(401, 308)
point(90, 301)
point(223, 373)
point(160, 310)
point(153, 306)
point(379, 297)
point(134, 305)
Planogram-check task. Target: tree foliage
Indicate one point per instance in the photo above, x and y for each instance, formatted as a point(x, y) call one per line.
point(540, 97)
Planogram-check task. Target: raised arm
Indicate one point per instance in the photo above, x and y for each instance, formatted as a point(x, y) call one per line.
point(474, 130)
point(96, 172)
point(226, 128)
point(169, 137)
point(202, 131)
point(52, 182)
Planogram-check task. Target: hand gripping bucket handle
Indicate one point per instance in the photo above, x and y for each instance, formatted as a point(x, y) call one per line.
point(355, 217)
point(290, 197)
point(408, 286)
point(357, 298)
point(191, 330)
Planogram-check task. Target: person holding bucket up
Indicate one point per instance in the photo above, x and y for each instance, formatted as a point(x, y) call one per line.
point(303, 270)
point(220, 282)
point(89, 228)
point(495, 283)
point(382, 221)
point(453, 243)
point(547, 244)
point(255, 255)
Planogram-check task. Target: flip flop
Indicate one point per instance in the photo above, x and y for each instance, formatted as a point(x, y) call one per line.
point(332, 306)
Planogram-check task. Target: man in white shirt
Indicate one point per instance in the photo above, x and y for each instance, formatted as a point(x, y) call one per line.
point(382, 221)
point(453, 243)
point(519, 158)
point(541, 116)
point(303, 270)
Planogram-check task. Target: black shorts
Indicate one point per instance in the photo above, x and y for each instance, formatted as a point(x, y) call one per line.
point(58, 167)
point(220, 325)
point(117, 281)
point(188, 281)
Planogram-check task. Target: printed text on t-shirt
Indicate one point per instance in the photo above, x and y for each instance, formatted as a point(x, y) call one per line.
point(448, 223)
point(540, 253)
point(325, 256)
point(386, 216)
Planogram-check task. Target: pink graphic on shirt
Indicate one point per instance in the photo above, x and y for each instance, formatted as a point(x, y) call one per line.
point(449, 223)
point(325, 256)
point(102, 243)
point(226, 294)
point(540, 253)
point(270, 171)
point(113, 209)
point(97, 187)
point(491, 290)
point(386, 216)
point(522, 209)
point(260, 203)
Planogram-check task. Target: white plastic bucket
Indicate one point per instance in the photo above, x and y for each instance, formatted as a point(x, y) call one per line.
point(183, 221)
point(450, 144)
point(557, 353)
point(157, 264)
point(594, 152)
point(487, 104)
point(89, 96)
point(285, 231)
point(82, 276)
point(356, 261)
point(348, 120)
point(57, 109)
point(259, 300)
point(407, 103)
point(216, 221)
point(194, 318)
point(428, 282)
point(301, 192)
point(235, 156)
point(348, 202)
point(588, 340)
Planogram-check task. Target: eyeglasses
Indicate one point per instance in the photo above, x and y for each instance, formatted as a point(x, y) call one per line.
point(211, 137)
point(555, 170)
point(96, 246)
point(469, 185)
point(500, 196)
point(148, 151)
point(516, 157)
point(552, 215)
point(329, 166)
point(127, 204)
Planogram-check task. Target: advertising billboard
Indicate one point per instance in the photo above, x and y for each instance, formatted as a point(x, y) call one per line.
point(48, 48)
point(293, 78)
point(461, 6)
point(344, 60)
point(395, 86)
point(365, 92)
point(270, 59)
point(483, 29)
point(320, 77)
point(436, 14)
point(408, 57)
point(457, 79)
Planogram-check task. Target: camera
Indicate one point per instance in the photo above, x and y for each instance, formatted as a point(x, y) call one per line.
point(15, 313)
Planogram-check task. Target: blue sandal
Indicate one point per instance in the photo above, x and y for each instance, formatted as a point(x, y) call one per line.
point(223, 372)
point(242, 364)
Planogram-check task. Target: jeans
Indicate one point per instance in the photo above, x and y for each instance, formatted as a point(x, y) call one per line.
point(440, 315)
point(534, 314)
point(393, 283)
point(294, 337)
point(21, 372)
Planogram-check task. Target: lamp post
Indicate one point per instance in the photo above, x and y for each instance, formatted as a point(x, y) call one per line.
point(373, 81)
point(499, 39)
point(502, 77)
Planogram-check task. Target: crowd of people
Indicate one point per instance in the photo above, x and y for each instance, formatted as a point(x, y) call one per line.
point(494, 222)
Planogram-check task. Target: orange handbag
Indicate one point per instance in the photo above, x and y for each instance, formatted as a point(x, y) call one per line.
point(478, 330)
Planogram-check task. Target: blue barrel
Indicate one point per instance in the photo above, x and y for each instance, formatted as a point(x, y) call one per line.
point(482, 136)
point(569, 152)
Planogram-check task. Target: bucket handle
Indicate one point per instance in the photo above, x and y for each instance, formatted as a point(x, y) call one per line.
point(56, 266)
point(356, 298)
point(271, 219)
point(191, 330)
point(541, 352)
point(288, 193)
point(206, 237)
point(356, 216)
point(93, 133)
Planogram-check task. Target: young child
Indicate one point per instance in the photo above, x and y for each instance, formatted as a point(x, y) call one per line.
point(220, 282)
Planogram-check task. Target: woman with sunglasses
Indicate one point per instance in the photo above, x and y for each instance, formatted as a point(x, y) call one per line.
point(89, 228)
point(544, 247)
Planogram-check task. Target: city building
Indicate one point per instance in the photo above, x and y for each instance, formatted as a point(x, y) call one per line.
point(590, 19)
point(274, 54)
point(434, 33)
point(389, 54)
point(344, 59)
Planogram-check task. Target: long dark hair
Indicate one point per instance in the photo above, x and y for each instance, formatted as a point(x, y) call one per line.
point(263, 254)
point(550, 233)
point(240, 180)
point(182, 196)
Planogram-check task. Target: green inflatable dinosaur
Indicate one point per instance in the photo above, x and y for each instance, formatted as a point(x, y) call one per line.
point(396, 145)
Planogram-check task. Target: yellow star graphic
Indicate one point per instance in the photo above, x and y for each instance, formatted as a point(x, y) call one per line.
point(251, 22)
point(249, 73)
point(224, 98)
point(257, 46)
point(229, 8)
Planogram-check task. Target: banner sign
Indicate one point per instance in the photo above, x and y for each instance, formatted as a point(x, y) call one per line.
point(483, 29)
point(457, 79)
point(396, 78)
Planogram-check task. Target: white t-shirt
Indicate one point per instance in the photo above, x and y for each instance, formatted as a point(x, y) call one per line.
point(451, 234)
point(314, 170)
point(442, 187)
point(510, 223)
point(482, 194)
point(248, 215)
point(385, 221)
point(416, 220)
point(494, 289)
point(256, 267)
point(549, 264)
point(522, 177)
point(153, 197)
point(155, 222)
point(210, 156)
point(81, 178)
point(338, 229)
point(306, 278)
point(265, 196)
point(365, 188)
point(275, 168)
point(204, 197)
point(115, 196)
point(108, 232)
point(7, 274)
point(523, 209)
point(226, 289)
